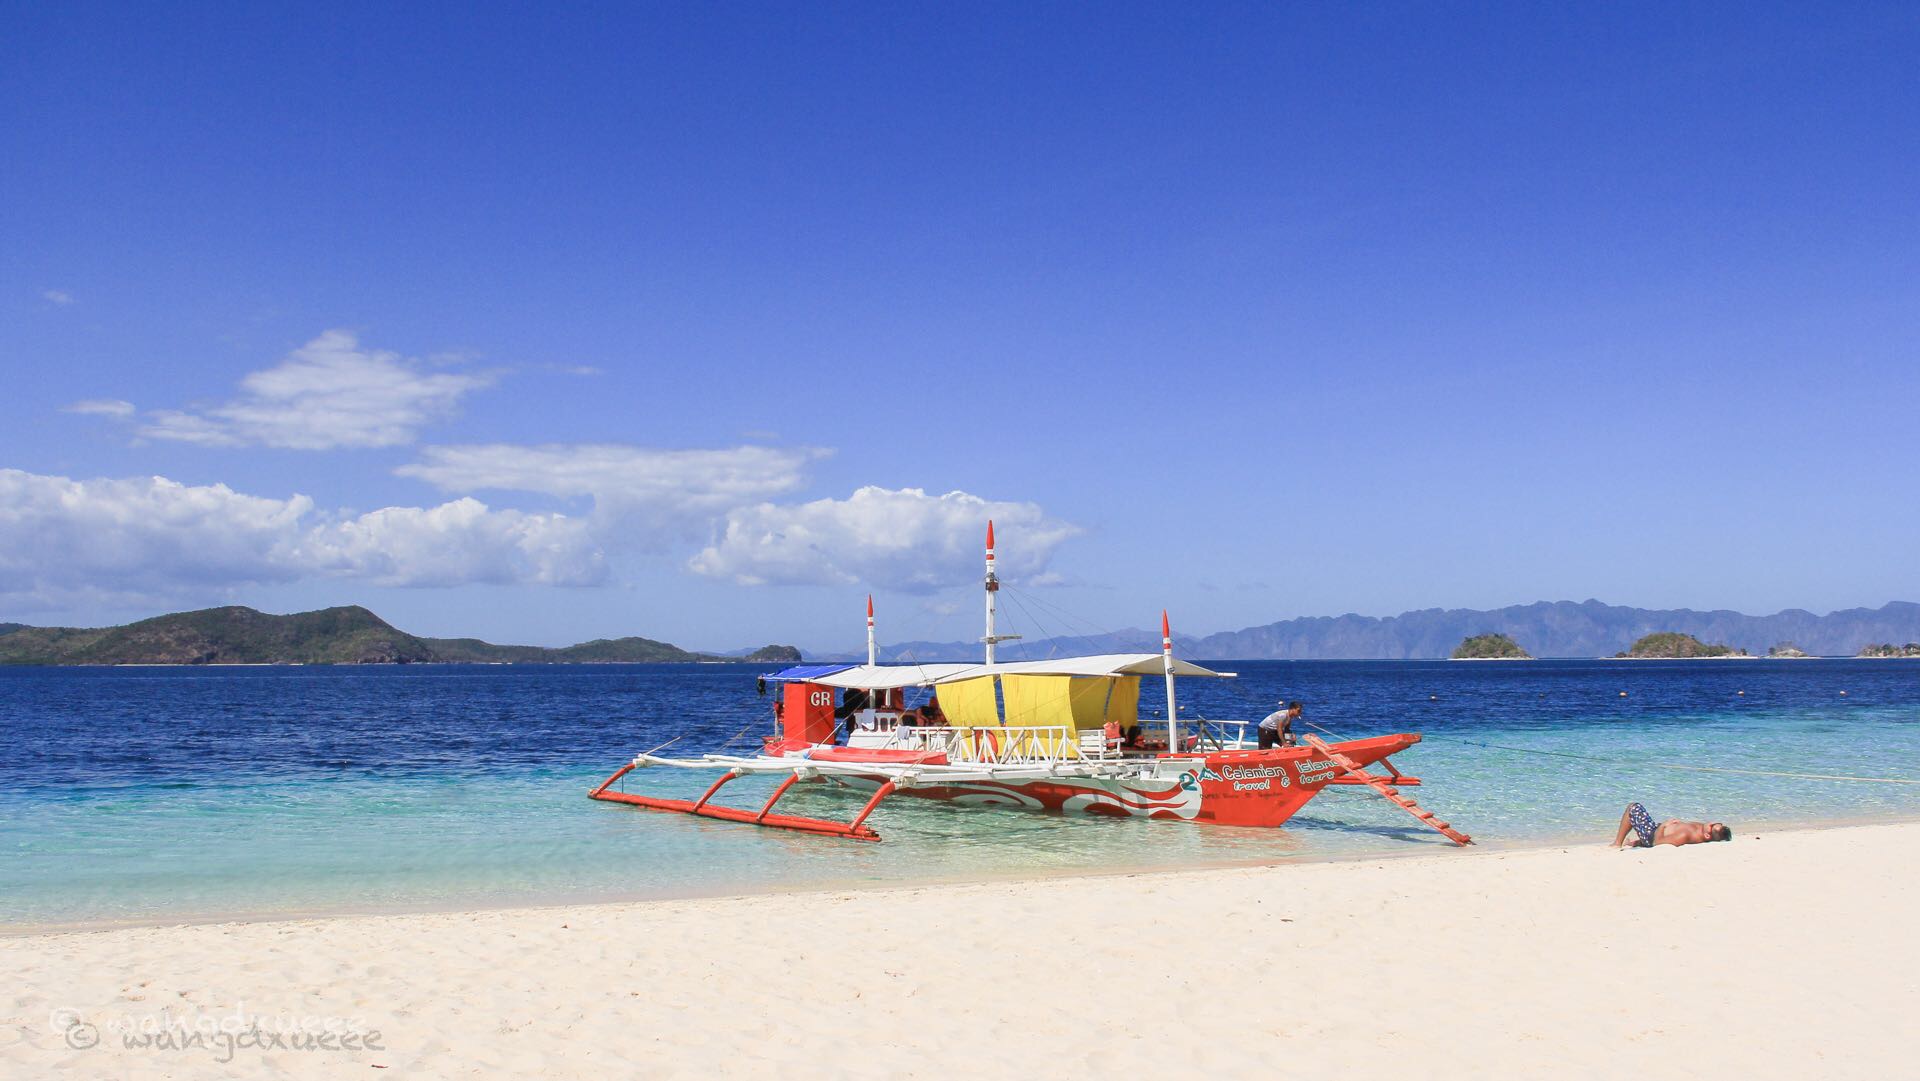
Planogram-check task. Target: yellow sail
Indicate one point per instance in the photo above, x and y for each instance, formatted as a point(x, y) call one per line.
point(969, 703)
point(1072, 704)
point(1097, 701)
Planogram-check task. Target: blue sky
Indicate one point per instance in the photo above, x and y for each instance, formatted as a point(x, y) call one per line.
point(547, 327)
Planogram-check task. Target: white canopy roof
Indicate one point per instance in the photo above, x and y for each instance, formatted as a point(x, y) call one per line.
point(889, 676)
point(885, 677)
point(1104, 664)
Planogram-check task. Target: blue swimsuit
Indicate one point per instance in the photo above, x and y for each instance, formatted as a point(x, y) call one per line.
point(1643, 825)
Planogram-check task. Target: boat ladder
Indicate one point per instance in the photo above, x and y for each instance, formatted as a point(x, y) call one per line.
point(1392, 795)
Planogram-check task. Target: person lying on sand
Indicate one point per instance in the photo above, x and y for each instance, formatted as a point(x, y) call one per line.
point(1647, 833)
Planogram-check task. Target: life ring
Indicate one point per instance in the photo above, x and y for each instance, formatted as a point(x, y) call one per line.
point(987, 743)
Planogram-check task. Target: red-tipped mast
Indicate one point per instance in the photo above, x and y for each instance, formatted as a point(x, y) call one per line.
point(870, 650)
point(1166, 662)
point(993, 587)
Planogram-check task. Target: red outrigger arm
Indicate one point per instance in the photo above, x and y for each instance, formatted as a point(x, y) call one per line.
point(856, 829)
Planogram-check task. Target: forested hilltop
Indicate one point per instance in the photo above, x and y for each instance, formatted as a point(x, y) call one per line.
point(346, 635)
point(1887, 649)
point(1672, 646)
point(1490, 647)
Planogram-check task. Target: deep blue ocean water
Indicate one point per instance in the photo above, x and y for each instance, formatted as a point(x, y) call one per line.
point(181, 793)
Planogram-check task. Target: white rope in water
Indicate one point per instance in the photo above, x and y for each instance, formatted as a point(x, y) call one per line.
point(1773, 773)
point(1681, 765)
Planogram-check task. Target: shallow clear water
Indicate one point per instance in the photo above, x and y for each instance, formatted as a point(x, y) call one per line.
point(162, 793)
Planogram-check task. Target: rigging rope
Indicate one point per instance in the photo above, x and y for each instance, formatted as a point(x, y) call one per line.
point(1682, 765)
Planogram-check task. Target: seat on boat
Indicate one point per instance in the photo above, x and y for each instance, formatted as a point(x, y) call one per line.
point(1097, 744)
point(887, 755)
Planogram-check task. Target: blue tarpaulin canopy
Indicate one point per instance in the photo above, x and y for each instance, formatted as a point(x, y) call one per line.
point(808, 672)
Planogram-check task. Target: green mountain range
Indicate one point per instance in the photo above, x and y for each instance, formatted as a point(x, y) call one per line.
point(348, 635)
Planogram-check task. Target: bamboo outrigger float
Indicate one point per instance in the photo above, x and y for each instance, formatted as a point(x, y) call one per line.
point(1060, 735)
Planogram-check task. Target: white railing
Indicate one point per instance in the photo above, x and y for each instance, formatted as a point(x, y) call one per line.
point(1046, 745)
point(1202, 734)
point(1038, 746)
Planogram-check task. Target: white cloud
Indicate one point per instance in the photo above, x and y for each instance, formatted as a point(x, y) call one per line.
point(454, 544)
point(328, 393)
point(57, 296)
point(153, 538)
point(101, 407)
point(895, 539)
point(663, 486)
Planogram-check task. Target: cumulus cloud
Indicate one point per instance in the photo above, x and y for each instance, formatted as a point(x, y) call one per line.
point(454, 544)
point(899, 539)
point(329, 393)
point(101, 407)
point(153, 538)
point(663, 485)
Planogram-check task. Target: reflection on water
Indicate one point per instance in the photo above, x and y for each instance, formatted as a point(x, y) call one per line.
point(156, 793)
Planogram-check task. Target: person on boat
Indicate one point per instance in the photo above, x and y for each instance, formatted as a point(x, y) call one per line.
point(851, 703)
point(930, 714)
point(1647, 833)
point(1276, 728)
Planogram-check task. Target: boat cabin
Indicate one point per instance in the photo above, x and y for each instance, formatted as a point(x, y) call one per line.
point(1067, 707)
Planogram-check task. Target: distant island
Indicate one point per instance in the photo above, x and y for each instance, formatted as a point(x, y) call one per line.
point(1489, 647)
point(1887, 649)
point(1788, 651)
point(346, 635)
point(1674, 646)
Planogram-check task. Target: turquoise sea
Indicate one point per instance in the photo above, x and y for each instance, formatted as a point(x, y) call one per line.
point(158, 794)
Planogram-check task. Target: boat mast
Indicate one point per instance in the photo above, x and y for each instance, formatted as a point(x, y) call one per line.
point(993, 587)
point(1166, 664)
point(870, 651)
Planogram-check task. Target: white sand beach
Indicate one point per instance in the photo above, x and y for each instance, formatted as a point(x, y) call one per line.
point(1784, 954)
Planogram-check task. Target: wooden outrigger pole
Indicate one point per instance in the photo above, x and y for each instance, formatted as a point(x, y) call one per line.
point(857, 829)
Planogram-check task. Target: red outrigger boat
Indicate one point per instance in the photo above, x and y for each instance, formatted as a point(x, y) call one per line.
point(1060, 735)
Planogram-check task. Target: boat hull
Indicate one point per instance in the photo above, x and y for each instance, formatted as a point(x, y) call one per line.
point(1232, 788)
